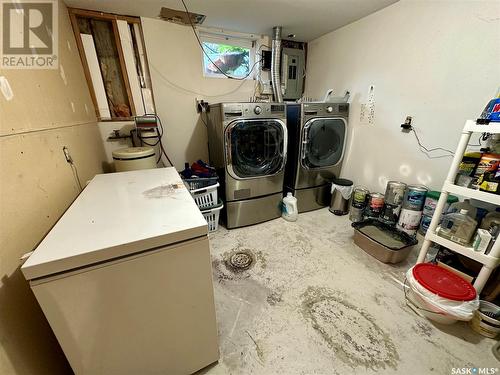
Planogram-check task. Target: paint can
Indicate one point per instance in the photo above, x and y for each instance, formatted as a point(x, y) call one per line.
point(424, 224)
point(414, 198)
point(431, 201)
point(390, 213)
point(356, 214)
point(409, 220)
point(394, 192)
point(360, 197)
point(375, 204)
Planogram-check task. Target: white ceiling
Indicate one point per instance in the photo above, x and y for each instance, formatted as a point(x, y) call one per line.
point(308, 19)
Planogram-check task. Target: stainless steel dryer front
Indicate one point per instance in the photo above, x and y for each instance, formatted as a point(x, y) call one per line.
point(247, 145)
point(317, 134)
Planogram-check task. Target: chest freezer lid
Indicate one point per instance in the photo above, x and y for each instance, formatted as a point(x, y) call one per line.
point(118, 214)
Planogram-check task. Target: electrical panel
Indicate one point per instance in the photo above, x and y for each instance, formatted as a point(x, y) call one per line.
point(292, 72)
point(266, 60)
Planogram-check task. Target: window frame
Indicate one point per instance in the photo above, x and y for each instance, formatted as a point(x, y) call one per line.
point(76, 12)
point(232, 41)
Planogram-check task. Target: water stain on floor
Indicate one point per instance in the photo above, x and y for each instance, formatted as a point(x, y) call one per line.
point(349, 330)
point(274, 298)
point(422, 329)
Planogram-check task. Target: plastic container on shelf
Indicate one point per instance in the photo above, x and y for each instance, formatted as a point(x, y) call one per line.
point(493, 218)
point(289, 209)
point(465, 205)
point(440, 295)
point(458, 227)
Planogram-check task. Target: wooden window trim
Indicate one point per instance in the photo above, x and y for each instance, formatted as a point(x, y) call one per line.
point(73, 13)
point(102, 15)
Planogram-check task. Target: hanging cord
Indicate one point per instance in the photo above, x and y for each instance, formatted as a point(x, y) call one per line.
point(426, 151)
point(205, 52)
point(77, 177)
point(482, 138)
point(159, 138)
point(69, 159)
point(201, 117)
point(188, 91)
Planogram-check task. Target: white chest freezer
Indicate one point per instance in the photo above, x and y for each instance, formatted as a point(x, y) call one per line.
point(124, 278)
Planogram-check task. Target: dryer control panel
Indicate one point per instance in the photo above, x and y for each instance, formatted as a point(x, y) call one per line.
point(326, 109)
point(253, 110)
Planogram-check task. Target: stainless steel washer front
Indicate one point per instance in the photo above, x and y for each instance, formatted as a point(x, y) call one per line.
point(317, 139)
point(248, 146)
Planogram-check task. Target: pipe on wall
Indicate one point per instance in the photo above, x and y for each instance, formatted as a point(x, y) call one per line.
point(275, 64)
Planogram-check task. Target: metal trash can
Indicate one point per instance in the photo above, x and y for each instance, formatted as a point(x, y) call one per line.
point(341, 196)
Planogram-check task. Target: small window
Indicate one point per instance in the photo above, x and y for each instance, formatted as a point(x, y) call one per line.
point(226, 55)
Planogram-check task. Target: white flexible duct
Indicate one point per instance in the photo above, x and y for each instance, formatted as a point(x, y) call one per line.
point(275, 64)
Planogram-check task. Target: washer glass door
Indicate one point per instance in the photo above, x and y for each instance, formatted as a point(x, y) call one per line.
point(323, 142)
point(255, 147)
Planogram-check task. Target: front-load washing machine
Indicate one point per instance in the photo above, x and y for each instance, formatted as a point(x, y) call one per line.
point(248, 147)
point(317, 134)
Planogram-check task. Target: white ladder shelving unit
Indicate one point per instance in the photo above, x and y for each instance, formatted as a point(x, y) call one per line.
point(489, 261)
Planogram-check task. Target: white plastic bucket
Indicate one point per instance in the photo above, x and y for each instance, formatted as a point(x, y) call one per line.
point(434, 307)
point(429, 311)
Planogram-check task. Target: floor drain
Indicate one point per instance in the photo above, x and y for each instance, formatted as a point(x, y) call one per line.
point(240, 260)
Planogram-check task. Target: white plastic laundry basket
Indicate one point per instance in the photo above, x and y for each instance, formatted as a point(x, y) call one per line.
point(212, 217)
point(205, 197)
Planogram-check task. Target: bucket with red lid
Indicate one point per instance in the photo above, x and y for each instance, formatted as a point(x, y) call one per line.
point(439, 294)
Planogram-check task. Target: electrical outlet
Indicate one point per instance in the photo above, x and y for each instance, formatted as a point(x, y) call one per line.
point(67, 155)
point(202, 106)
point(406, 127)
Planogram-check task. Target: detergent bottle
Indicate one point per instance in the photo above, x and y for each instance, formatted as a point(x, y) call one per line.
point(289, 208)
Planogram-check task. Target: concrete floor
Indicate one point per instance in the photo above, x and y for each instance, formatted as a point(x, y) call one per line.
point(315, 303)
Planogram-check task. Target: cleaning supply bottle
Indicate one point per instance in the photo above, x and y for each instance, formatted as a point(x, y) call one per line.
point(289, 208)
point(458, 227)
point(465, 205)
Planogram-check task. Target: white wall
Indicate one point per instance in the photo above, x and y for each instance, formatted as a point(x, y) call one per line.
point(438, 61)
point(49, 110)
point(175, 63)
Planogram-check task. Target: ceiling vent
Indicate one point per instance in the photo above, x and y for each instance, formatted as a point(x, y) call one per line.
point(181, 17)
